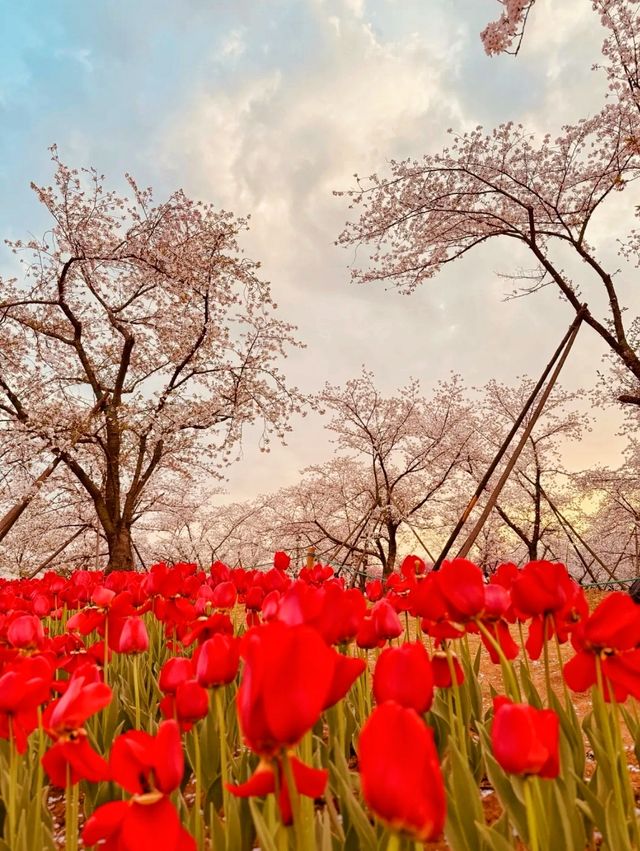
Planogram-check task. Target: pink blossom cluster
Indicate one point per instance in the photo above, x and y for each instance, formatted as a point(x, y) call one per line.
point(499, 35)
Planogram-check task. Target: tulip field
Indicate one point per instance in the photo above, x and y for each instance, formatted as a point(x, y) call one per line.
point(227, 709)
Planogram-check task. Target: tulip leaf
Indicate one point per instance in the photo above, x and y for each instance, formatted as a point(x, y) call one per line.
point(219, 838)
point(493, 839)
point(324, 840)
point(464, 808)
point(264, 835)
point(352, 811)
point(530, 691)
point(570, 727)
point(506, 787)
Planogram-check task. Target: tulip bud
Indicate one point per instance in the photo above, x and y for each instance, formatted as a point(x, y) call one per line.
point(525, 739)
point(102, 596)
point(192, 702)
point(175, 671)
point(26, 632)
point(442, 671)
point(404, 674)
point(134, 637)
point(224, 595)
point(400, 772)
point(217, 660)
point(385, 620)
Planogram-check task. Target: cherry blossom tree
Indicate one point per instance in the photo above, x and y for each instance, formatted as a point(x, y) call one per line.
point(611, 515)
point(541, 193)
point(408, 449)
point(505, 34)
point(386, 489)
point(139, 341)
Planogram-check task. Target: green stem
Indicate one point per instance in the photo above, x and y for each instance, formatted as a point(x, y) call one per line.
point(136, 689)
point(510, 681)
point(567, 697)
point(294, 798)
point(105, 661)
point(523, 646)
point(626, 782)
point(13, 783)
point(459, 712)
point(394, 842)
point(39, 779)
point(302, 812)
point(71, 813)
point(532, 825)
point(198, 796)
point(547, 669)
point(604, 723)
point(222, 739)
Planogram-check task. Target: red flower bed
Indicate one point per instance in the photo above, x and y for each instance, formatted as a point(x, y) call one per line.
point(185, 709)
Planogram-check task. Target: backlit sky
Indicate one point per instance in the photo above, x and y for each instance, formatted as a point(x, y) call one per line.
point(267, 106)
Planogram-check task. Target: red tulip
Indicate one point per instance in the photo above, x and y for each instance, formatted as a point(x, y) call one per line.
point(224, 595)
point(426, 599)
point(546, 593)
point(442, 671)
point(141, 763)
point(341, 614)
point(133, 637)
point(143, 825)
point(412, 566)
point(103, 597)
point(71, 757)
point(189, 704)
point(253, 598)
point(346, 671)
point(404, 674)
point(309, 781)
point(288, 673)
point(367, 637)
point(150, 768)
point(26, 633)
point(540, 588)
point(217, 661)
point(176, 670)
point(505, 574)
point(20, 695)
point(462, 586)
point(385, 620)
point(281, 561)
point(525, 739)
point(610, 638)
point(82, 699)
point(205, 627)
point(400, 773)
point(373, 590)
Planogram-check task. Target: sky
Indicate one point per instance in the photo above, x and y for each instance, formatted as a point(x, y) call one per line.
point(266, 107)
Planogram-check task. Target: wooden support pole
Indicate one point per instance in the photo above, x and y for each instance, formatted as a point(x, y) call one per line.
point(507, 441)
point(60, 549)
point(563, 520)
point(13, 515)
point(493, 497)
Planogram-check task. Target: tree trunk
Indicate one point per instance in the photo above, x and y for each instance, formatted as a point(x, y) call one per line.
point(120, 550)
point(392, 552)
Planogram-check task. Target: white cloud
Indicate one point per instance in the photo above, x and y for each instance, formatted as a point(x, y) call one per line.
point(232, 45)
point(81, 55)
point(276, 143)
